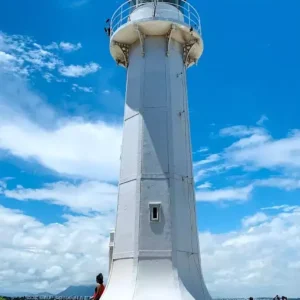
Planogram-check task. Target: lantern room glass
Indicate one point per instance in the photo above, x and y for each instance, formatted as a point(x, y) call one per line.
point(175, 2)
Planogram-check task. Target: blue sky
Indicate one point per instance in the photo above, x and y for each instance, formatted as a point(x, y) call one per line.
point(61, 109)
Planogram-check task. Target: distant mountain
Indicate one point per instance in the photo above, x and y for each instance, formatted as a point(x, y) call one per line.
point(16, 294)
point(80, 290)
point(45, 294)
point(24, 294)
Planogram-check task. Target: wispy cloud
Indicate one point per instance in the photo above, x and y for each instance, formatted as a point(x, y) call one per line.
point(69, 47)
point(203, 149)
point(241, 131)
point(210, 159)
point(24, 56)
point(85, 89)
point(226, 194)
point(79, 3)
point(255, 219)
point(282, 183)
point(79, 71)
point(205, 185)
point(262, 120)
point(285, 208)
point(32, 130)
point(252, 150)
point(21, 55)
point(58, 149)
point(85, 197)
point(267, 153)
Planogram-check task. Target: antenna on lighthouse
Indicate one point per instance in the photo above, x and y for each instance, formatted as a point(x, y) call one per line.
point(154, 253)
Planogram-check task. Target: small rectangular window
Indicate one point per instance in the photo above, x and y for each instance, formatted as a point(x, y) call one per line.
point(154, 212)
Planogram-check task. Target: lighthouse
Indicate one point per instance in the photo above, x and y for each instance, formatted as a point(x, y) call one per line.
point(156, 252)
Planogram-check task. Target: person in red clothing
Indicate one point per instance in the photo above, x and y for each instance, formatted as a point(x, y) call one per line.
point(100, 287)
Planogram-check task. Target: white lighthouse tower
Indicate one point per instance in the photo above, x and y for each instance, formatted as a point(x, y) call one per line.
point(156, 252)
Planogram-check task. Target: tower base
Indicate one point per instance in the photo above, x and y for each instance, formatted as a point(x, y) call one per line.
point(155, 279)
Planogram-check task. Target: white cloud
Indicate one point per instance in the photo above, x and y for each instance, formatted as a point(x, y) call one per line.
point(49, 77)
point(21, 55)
point(210, 159)
point(79, 71)
point(244, 193)
point(90, 150)
point(205, 185)
point(31, 130)
point(24, 56)
point(52, 257)
point(255, 219)
point(285, 208)
point(227, 194)
point(262, 120)
point(86, 197)
point(52, 272)
point(203, 149)
point(3, 185)
point(107, 92)
point(254, 261)
point(250, 142)
point(40, 58)
point(282, 183)
point(6, 58)
point(69, 47)
point(267, 153)
point(77, 87)
point(241, 131)
point(252, 150)
point(201, 171)
point(52, 46)
point(19, 105)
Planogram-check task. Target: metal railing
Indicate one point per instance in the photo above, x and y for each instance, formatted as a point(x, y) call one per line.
point(185, 10)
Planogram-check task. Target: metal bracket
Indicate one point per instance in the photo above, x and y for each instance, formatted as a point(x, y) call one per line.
point(169, 36)
point(186, 53)
point(125, 51)
point(142, 39)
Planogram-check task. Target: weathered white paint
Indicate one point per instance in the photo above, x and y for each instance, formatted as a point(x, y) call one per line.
point(156, 260)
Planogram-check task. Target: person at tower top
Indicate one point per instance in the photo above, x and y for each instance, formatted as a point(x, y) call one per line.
point(100, 287)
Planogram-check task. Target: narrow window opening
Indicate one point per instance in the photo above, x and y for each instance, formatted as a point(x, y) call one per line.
point(154, 212)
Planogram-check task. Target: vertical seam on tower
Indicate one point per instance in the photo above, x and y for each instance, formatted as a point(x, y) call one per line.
point(191, 171)
point(191, 186)
point(139, 181)
point(187, 148)
point(170, 156)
